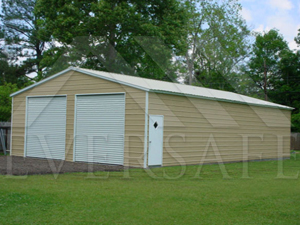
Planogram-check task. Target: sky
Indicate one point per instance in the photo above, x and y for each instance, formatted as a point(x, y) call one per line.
point(263, 15)
point(284, 15)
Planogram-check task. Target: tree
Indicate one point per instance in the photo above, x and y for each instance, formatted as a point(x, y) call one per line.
point(287, 89)
point(101, 34)
point(14, 74)
point(272, 54)
point(10, 72)
point(263, 66)
point(296, 122)
point(12, 77)
point(5, 100)
point(21, 26)
point(297, 39)
point(296, 103)
point(217, 42)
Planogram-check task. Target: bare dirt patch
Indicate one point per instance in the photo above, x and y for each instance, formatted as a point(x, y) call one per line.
point(14, 165)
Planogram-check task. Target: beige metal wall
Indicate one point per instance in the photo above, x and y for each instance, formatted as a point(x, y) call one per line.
point(205, 131)
point(73, 83)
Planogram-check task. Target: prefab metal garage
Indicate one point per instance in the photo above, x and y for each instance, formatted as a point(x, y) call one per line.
point(93, 116)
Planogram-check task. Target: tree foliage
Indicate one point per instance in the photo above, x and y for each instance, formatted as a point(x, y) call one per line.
point(11, 72)
point(297, 39)
point(287, 89)
point(218, 40)
point(15, 74)
point(283, 71)
point(5, 100)
point(102, 34)
point(268, 50)
point(21, 26)
point(209, 39)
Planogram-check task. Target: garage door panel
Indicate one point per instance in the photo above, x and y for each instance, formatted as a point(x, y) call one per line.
point(46, 127)
point(100, 128)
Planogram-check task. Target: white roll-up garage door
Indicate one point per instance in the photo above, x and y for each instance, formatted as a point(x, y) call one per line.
point(46, 127)
point(99, 128)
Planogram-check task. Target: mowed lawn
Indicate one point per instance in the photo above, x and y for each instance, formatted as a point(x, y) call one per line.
point(158, 196)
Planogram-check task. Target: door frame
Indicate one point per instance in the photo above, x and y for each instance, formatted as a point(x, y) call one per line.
point(162, 155)
point(75, 118)
point(26, 118)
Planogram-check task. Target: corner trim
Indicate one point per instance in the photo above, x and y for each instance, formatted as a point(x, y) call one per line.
point(11, 125)
point(146, 129)
point(26, 124)
point(74, 127)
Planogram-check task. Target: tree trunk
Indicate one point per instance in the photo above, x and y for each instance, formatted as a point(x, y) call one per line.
point(265, 83)
point(38, 60)
point(111, 57)
point(190, 65)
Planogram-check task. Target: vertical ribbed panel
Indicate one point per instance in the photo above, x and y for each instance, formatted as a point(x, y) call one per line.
point(46, 127)
point(99, 128)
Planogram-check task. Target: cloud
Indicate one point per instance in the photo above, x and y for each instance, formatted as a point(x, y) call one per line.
point(246, 14)
point(247, 1)
point(262, 28)
point(268, 14)
point(285, 23)
point(293, 45)
point(281, 4)
point(286, 26)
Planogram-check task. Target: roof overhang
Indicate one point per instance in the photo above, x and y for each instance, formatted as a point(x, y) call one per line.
point(77, 70)
point(222, 100)
point(276, 106)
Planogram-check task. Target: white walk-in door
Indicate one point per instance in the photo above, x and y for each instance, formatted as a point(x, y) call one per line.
point(45, 127)
point(99, 128)
point(156, 130)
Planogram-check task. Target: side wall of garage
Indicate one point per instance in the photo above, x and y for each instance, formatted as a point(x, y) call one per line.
point(205, 131)
point(73, 83)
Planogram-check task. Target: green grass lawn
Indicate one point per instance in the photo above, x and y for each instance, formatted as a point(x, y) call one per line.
point(2, 153)
point(157, 196)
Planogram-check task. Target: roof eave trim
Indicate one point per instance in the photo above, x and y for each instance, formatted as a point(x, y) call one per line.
point(41, 82)
point(222, 100)
point(142, 88)
point(81, 71)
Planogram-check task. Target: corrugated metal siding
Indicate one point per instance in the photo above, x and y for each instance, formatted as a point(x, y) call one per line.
point(46, 127)
point(73, 83)
point(198, 129)
point(99, 124)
